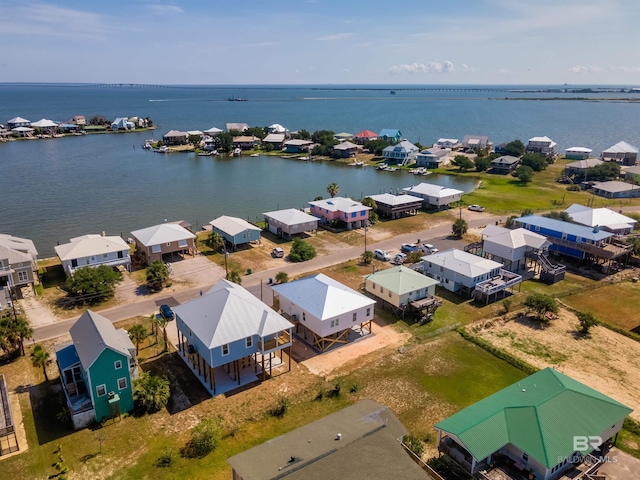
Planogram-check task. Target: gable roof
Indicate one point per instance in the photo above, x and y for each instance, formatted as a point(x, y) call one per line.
point(227, 313)
point(89, 245)
point(563, 227)
point(240, 127)
point(322, 296)
point(620, 147)
point(539, 415)
point(504, 160)
point(544, 139)
point(431, 190)
point(274, 137)
point(313, 451)
point(516, 238)
point(174, 134)
point(602, 217)
point(401, 280)
point(584, 164)
point(340, 204)
point(20, 244)
point(93, 333)
point(291, 216)
point(366, 134)
point(346, 145)
point(461, 262)
point(394, 200)
point(163, 233)
point(390, 132)
point(232, 225)
point(403, 146)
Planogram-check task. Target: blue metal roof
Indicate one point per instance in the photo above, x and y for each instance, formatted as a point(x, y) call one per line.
point(564, 227)
point(389, 132)
point(67, 356)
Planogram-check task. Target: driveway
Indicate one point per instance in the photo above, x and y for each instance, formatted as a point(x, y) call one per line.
point(621, 466)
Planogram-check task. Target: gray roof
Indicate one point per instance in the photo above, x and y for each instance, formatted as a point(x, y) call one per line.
point(239, 127)
point(584, 164)
point(518, 237)
point(403, 146)
point(431, 190)
point(475, 139)
point(345, 146)
point(394, 200)
point(291, 216)
point(620, 147)
point(232, 225)
point(603, 217)
point(615, 186)
point(163, 233)
point(90, 245)
point(175, 134)
point(93, 333)
point(461, 262)
point(228, 313)
point(368, 448)
point(274, 137)
point(298, 142)
point(505, 160)
point(341, 204)
point(564, 227)
point(401, 280)
point(16, 243)
point(322, 296)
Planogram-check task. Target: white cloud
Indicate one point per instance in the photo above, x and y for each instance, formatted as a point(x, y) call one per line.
point(336, 36)
point(429, 67)
point(581, 69)
point(165, 9)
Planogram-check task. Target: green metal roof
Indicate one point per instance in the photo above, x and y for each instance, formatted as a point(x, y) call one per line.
point(540, 415)
point(401, 280)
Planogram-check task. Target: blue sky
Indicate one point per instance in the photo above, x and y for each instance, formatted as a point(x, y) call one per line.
point(321, 41)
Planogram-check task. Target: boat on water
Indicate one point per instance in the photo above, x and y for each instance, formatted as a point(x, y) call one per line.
point(237, 152)
point(162, 149)
point(237, 99)
point(391, 169)
point(419, 171)
point(383, 166)
point(303, 158)
point(357, 164)
point(254, 155)
point(392, 92)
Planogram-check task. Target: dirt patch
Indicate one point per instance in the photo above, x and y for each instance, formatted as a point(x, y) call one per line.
point(604, 360)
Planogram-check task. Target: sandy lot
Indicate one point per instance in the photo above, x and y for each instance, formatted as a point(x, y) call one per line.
point(605, 360)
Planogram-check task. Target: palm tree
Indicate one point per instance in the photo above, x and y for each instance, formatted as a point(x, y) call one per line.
point(282, 277)
point(40, 358)
point(459, 227)
point(161, 322)
point(151, 392)
point(138, 333)
point(13, 332)
point(333, 189)
point(234, 277)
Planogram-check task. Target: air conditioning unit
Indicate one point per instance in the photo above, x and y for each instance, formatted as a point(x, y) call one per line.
point(191, 349)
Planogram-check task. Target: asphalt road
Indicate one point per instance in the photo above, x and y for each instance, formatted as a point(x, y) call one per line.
point(256, 283)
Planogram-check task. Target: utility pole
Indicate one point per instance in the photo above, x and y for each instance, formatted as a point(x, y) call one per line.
point(365, 238)
point(226, 256)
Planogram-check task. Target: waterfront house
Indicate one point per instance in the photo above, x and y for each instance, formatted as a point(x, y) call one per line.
point(246, 142)
point(512, 247)
point(531, 427)
point(326, 309)
point(475, 142)
point(235, 231)
point(68, 127)
point(343, 209)
point(504, 165)
point(122, 123)
point(460, 271)
point(97, 369)
point(542, 145)
point(289, 222)
point(632, 174)
point(92, 251)
point(435, 196)
point(577, 153)
point(579, 169)
point(157, 242)
point(297, 145)
point(228, 337)
point(390, 135)
point(345, 149)
point(175, 137)
point(194, 133)
point(276, 140)
point(447, 143)
point(18, 262)
point(403, 153)
point(432, 158)
point(578, 241)
point(276, 128)
point(22, 131)
point(396, 206)
point(78, 120)
point(45, 127)
point(362, 441)
point(621, 152)
point(343, 136)
point(616, 189)
point(213, 131)
point(237, 127)
point(609, 220)
point(400, 286)
point(365, 136)
point(18, 122)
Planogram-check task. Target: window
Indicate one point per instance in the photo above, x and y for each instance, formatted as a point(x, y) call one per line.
point(332, 324)
point(304, 317)
point(368, 311)
point(156, 248)
point(105, 255)
point(389, 293)
point(537, 228)
point(117, 364)
point(121, 254)
point(101, 390)
point(363, 213)
point(93, 259)
point(244, 235)
point(337, 321)
point(525, 457)
point(225, 349)
point(353, 214)
point(249, 342)
point(355, 316)
point(23, 276)
point(122, 383)
point(74, 263)
point(564, 236)
point(182, 243)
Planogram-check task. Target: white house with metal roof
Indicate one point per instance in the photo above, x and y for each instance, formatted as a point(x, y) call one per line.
point(402, 153)
point(163, 239)
point(510, 247)
point(605, 218)
point(16, 122)
point(289, 222)
point(396, 206)
point(459, 271)
point(228, 336)
point(621, 152)
point(399, 286)
point(325, 307)
point(92, 251)
point(235, 231)
point(543, 145)
point(435, 195)
point(577, 153)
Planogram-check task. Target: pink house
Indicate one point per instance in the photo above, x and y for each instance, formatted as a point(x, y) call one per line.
point(351, 212)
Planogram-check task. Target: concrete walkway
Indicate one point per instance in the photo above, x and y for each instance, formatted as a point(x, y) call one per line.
point(621, 466)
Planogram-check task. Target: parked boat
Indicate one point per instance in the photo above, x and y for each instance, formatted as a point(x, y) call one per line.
point(162, 149)
point(147, 144)
point(237, 99)
point(383, 166)
point(254, 155)
point(237, 152)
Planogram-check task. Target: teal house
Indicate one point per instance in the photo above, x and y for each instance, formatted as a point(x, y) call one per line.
point(97, 370)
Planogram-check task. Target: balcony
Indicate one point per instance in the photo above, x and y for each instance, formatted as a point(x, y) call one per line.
point(608, 251)
point(282, 340)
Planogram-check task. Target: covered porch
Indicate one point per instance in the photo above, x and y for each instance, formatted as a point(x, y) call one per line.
point(322, 344)
point(74, 387)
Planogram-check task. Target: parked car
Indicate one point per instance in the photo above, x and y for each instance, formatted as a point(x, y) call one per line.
point(166, 312)
point(428, 249)
point(476, 208)
point(409, 247)
point(277, 252)
point(400, 258)
point(381, 255)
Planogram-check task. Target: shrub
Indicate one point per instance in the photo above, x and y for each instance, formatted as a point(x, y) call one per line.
point(282, 277)
point(166, 458)
point(354, 388)
point(157, 275)
point(414, 444)
point(573, 188)
point(335, 391)
point(151, 392)
point(367, 257)
point(587, 320)
point(301, 251)
point(507, 303)
point(281, 407)
point(204, 438)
